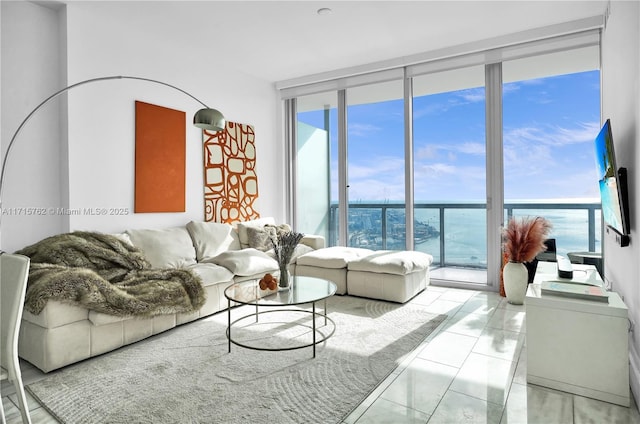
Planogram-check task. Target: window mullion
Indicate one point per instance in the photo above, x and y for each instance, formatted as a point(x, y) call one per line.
point(343, 181)
point(408, 162)
point(495, 171)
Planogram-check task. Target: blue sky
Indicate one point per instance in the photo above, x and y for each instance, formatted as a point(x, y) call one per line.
point(549, 129)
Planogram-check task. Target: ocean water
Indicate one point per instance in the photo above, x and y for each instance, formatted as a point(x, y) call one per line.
point(465, 233)
point(464, 236)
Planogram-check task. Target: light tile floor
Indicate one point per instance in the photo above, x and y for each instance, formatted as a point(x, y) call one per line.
point(472, 369)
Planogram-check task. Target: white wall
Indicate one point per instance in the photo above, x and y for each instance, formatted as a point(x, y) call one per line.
point(31, 70)
point(621, 103)
point(101, 119)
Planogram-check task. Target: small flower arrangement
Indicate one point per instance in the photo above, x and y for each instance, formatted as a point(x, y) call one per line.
point(285, 245)
point(524, 237)
point(283, 249)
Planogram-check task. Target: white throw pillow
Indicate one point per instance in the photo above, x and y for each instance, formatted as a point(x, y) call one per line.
point(165, 248)
point(245, 262)
point(242, 228)
point(212, 238)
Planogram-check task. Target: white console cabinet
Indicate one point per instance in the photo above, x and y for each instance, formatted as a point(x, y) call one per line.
point(574, 345)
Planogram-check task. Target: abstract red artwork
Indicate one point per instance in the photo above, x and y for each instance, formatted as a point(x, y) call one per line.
point(230, 179)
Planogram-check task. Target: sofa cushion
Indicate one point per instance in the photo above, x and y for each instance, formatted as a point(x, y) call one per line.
point(332, 257)
point(392, 262)
point(124, 237)
point(242, 229)
point(313, 240)
point(279, 229)
point(56, 314)
point(211, 273)
point(263, 238)
point(212, 238)
point(99, 318)
point(300, 249)
point(165, 248)
point(245, 262)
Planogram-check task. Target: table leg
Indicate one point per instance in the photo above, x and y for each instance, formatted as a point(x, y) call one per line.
point(325, 312)
point(313, 314)
point(229, 322)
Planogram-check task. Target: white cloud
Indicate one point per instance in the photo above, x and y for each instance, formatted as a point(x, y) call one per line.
point(534, 81)
point(379, 179)
point(430, 151)
point(462, 98)
point(362, 130)
point(584, 132)
point(427, 110)
point(434, 151)
point(375, 167)
point(438, 169)
point(472, 95)
point(544, 159)
point(472, 148)
point(509, 88)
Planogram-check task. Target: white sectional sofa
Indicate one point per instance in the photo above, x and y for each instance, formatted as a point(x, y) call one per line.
point(330, 263)
point(220, 254)
point(391, 275)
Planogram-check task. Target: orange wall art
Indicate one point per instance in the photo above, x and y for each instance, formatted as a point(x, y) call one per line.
point(160, 159)
point(230, 179)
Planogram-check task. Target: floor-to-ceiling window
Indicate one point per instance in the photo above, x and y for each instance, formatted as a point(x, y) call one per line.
point(533, 111)
point(450, 167)
point(316, 161)
point(551, 116)
point(375, 166)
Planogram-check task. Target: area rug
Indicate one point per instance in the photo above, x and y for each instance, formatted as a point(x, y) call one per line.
point(187, 375)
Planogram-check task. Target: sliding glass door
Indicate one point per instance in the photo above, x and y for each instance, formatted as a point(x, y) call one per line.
point(450, 169)
point(316, 164)
point(375, 166)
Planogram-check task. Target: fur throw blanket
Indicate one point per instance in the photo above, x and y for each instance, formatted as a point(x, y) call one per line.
point(106, 274)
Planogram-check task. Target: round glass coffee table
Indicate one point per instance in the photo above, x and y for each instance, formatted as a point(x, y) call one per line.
point(303, 290)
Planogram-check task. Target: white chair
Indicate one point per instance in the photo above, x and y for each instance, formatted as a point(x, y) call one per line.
point(14, 270)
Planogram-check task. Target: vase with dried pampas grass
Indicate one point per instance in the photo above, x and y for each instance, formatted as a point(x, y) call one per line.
point(522, 240)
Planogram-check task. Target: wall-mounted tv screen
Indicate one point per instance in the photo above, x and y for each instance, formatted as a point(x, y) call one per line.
point(613, 185)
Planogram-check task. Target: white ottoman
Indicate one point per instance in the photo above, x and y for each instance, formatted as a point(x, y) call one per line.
point(395, 276)
point(330, 263)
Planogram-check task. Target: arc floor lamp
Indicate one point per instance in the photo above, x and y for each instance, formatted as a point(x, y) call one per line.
point(205, 118)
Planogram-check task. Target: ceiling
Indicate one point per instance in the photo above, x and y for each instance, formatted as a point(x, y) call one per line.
point(281, 40)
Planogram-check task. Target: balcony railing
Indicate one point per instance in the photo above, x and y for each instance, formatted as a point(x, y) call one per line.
point(455, 233)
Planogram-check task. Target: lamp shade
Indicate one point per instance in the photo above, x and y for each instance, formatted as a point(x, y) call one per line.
point(209, 119)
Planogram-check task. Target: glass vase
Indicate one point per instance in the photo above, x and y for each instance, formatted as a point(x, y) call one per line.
point(284, 283)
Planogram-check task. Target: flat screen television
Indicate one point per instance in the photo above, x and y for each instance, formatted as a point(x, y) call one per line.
point(613, 186)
